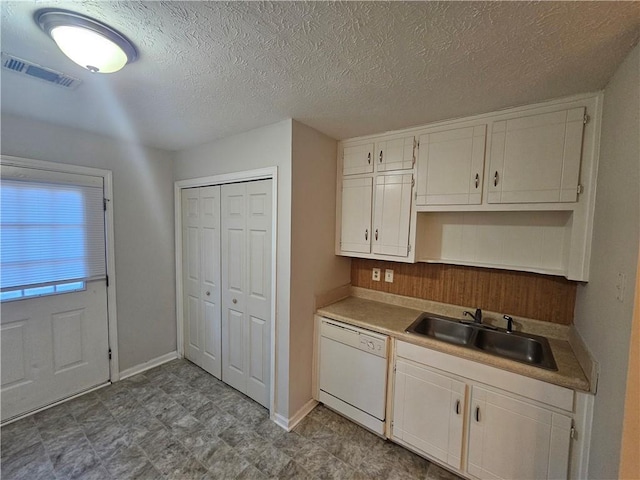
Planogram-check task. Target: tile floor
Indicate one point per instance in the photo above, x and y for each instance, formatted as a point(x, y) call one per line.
point(177, 422)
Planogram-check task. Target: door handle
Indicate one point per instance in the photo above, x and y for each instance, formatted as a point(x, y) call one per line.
point(366, 234)
point(477, 413)
point(457, 407)
point(477, 180)
point(376, 234)
point(495, 179)
point(369, 158)
point(380, 156)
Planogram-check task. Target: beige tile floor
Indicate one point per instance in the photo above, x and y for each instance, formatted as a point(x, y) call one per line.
point(178, 422)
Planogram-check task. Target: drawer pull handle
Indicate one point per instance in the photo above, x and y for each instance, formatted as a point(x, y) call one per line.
point(477, 414)
point(457, 407)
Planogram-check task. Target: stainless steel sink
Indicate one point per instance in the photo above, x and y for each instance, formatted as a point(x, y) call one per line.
point(442, 329)
point(529, 349)
point(524, 348)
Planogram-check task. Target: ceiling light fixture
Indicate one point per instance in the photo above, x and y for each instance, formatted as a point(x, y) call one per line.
point(88, 42)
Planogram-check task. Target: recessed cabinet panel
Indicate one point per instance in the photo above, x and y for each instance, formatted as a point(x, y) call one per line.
point(357, 159)
point(536, 158)
point(451, 167)
point(437, 429)
point(504, 434)
point(356, 214)
point(395, 154)
point(392, 215)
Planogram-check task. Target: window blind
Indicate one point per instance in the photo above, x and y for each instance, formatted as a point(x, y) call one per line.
point(51, 228)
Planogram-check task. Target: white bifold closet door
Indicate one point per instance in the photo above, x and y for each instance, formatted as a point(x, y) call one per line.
point(201, 277)
point(246, 287)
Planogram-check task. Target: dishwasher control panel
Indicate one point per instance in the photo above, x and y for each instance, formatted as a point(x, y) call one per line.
point(355, 337)
point(373, 345)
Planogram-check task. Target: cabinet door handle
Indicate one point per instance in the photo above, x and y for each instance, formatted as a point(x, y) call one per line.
point(376, 234)
point(369, 158)
point(366, 234)
point(457, 407)
point(495, 179)
point(380, 156)
point(477, 180)
point(477, 414)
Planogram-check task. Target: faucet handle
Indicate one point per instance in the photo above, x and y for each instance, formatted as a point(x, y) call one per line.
point(509, 323)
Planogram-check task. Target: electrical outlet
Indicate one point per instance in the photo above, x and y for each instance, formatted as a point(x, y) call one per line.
point(620, 286)
point(375, 275)
point(388, 275)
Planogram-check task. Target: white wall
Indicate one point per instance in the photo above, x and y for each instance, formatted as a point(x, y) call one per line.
point(143, 223)
point(264, 147)
point(604, 322)
point(315, 268)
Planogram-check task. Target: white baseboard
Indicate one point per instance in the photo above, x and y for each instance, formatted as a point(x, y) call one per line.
point(290, 423)
point(154, 362)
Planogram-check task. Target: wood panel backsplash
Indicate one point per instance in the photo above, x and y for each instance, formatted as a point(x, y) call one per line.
point(530, 295)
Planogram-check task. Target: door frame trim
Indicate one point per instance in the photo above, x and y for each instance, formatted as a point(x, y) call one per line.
point(268, 173)
point(107, 176)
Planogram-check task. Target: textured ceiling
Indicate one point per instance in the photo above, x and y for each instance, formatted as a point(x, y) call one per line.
point(211, 69)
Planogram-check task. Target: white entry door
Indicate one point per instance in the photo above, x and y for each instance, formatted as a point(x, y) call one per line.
point(54, 324)
point(201, 277)
point(246, 287)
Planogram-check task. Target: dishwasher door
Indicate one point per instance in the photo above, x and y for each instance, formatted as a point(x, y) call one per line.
point(353, 371)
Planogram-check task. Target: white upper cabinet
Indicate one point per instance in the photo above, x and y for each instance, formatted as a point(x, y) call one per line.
point(451, 166)
point(357, 159)
point(536, 158)
point(356, 215)
point(392, 214)
point(397, 154)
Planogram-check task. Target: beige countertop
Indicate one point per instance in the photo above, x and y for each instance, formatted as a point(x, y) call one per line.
point(393, 319)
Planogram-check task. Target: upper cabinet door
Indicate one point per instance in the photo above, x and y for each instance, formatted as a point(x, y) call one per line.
point(451, 167)
point(357, 159)
point(395, 154)
point(356, 215)
point(392, 215)
point(536, 158)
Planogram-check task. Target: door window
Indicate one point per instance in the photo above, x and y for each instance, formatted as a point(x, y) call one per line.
point(51, 235)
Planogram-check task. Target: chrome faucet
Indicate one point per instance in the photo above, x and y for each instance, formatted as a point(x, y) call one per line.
point(477, 317)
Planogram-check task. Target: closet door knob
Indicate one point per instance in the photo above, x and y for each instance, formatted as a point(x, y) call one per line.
point(207, 293)
point(234, 300)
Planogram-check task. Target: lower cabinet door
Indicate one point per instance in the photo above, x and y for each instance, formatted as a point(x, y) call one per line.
point(510, 438)
point(428, 412)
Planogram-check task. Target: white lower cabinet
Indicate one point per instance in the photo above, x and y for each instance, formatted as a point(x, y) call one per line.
point(478, 430)
point(429, 411)
point(511, 438)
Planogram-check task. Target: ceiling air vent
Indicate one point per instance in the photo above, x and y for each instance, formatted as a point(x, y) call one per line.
point(39, 72)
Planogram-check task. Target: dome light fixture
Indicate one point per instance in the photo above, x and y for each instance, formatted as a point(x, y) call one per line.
point(88, 42)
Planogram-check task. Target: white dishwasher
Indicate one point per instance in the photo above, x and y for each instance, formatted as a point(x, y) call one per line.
point(353, 373)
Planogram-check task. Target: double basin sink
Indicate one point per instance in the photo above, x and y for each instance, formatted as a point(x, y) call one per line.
point(530, 349)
